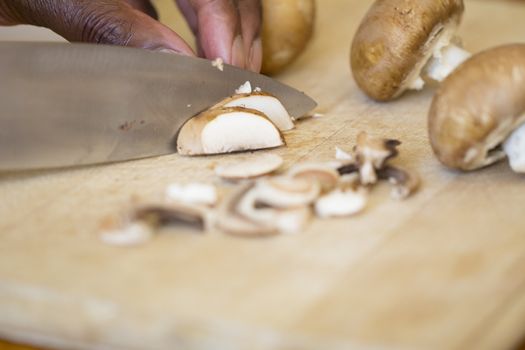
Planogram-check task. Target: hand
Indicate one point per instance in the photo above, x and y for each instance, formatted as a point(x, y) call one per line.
point(224, 28)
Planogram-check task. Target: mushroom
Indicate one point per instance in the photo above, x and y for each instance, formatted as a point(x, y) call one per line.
point(398, 41)
point(263, 102)
point(192, 193)
point(139, 226)
point(232, 222)
point(290, 220)
point(479, 108)
point(371, 154)
point(226, 130)
point(405, 182)
point(287, 27)
point(340, 203)
point(324, 174)
point(287, 192)
point(256, 165)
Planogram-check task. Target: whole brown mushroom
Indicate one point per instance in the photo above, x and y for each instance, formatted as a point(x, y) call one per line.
point(400, 42)
point(478, 114)
point(287, 28)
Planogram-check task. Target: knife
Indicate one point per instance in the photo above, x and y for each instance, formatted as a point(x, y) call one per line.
point(73, 104)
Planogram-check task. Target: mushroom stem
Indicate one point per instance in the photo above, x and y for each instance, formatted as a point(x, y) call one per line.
point(514, 148)
point(445, 60)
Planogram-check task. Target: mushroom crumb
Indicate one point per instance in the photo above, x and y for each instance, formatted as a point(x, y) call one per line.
point(218, 63)
point(245, 88)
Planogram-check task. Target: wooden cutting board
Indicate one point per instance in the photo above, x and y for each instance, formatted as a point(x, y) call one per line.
point(443, 270)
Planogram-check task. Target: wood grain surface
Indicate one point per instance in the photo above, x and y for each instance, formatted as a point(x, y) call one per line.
point(443, 270)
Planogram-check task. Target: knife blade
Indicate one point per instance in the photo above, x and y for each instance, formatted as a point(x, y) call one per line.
point(74, 104)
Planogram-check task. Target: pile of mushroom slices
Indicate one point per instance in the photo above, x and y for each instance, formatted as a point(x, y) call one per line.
point(248, 120)
point(265, 201)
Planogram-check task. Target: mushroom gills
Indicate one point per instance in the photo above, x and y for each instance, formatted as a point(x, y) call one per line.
point(226, 130)
point(441, 57)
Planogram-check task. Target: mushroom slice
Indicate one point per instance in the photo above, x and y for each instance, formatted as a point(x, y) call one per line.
point(397, 38)
point(226, 130)
point(192, 193)
point(287, 192)
point(340, 203)
point(232, 222)
point(265, 103)
point(406, 182)
point(175, 213)
point(372, 154)
point(256, 165)
point(291, 220)
point(327, 176)
point(478, 107)
point(126, 233)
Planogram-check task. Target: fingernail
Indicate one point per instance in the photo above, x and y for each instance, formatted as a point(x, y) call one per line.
point(255, 56)
point(238, 52)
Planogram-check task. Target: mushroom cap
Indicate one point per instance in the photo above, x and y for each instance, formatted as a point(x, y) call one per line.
point(395, 40)
point(287, 28)
point(477, 107)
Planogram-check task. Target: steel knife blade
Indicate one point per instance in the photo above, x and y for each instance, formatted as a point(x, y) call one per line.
point(67, 104)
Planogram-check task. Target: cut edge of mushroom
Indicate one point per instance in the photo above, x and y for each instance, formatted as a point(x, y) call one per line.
point(263, 102)
point(287, 192)
point(372, 153)
point(227, 130)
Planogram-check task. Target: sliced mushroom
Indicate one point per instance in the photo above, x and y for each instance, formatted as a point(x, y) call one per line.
point(291, 220)
point(127, 233)
point(371, 154)
point(175, 213)
point(397, 38)
point(226, 130)
point(479, 107)
point(192, 193)
point(327, 176)
point(287, 28)
point(406, 182)
point(232, 222)
point(256, 165)
point(287, 192)
point(340, 203)
point(263, 102)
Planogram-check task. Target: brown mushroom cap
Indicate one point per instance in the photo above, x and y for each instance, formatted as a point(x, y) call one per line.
point(477, 107)
point(287, 28)
point(395, 40)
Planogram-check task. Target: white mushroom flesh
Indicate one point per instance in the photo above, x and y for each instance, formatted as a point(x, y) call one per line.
point(239, 131)
point(514, 148)
point(268, 105)
point(340, 203)
point(245, 88)
point(256, 165)
point(131, 234)
point(287, 192)
point(445, 60)
point(192, 193)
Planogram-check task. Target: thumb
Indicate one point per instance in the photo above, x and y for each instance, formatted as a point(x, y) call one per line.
point(113, 22)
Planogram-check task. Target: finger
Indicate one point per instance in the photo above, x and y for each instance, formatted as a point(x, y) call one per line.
point(102, 21)
point(250, 13)
point(144, 6)
point(218, 29)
